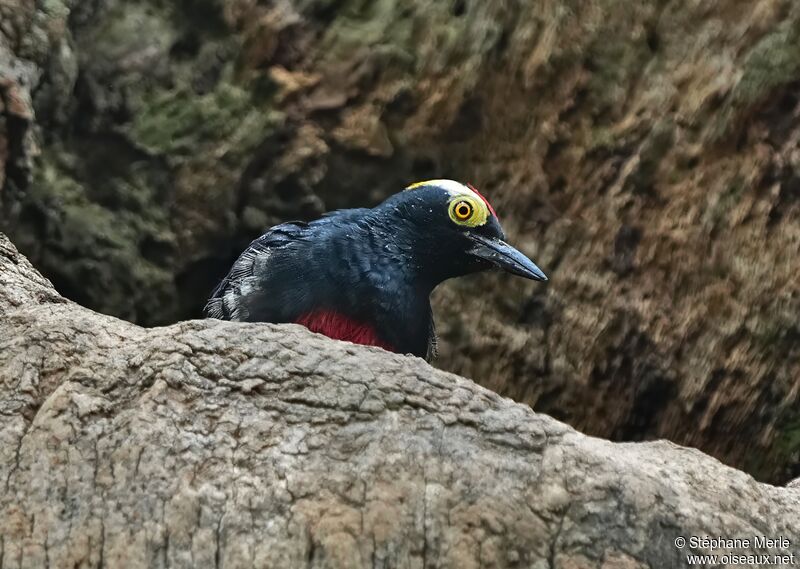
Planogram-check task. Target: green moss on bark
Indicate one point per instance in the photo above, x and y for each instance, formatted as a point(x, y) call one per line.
point(181, 123)
point(771, 64)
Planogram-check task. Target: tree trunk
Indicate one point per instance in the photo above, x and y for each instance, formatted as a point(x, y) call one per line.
point(208, 443)
point(644, 153)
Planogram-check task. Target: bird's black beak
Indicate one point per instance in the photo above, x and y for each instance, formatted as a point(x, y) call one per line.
point(504, 256)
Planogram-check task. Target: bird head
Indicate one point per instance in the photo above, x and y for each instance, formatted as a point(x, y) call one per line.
point(454, 231)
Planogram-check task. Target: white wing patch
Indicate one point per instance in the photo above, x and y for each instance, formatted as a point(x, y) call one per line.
point(242, 281)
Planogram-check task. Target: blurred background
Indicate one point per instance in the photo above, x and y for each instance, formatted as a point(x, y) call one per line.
point(644, 153)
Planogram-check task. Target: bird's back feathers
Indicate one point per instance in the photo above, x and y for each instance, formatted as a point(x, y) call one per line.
point(226, 300)
point(297, 271)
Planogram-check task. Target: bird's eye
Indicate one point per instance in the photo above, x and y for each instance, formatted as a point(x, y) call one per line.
point(462, 210)
point(468, 212)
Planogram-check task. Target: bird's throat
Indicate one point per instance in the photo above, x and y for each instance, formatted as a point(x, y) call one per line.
point(340, 327)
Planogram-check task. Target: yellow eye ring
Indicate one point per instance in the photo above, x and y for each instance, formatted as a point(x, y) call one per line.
point(462, 210)
point(467, 211)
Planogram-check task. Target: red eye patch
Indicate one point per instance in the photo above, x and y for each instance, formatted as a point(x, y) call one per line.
point(480, 195)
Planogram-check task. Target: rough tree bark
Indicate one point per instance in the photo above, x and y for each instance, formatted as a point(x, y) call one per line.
point(208, 443)
point(644, 153)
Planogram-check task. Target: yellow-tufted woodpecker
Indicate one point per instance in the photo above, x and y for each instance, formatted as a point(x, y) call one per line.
point(366, 275)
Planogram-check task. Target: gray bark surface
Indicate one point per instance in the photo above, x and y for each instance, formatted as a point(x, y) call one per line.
point(644, 153)
point(214, 444)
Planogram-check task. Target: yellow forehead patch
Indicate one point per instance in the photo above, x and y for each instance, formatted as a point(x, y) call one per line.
point(416, 185)
point(450, 186)
point(459, 192)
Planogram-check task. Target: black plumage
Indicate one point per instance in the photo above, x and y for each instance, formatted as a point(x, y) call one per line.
point(375, 268)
